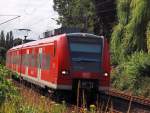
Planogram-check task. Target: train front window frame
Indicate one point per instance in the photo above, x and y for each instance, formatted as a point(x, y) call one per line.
point(86, 53)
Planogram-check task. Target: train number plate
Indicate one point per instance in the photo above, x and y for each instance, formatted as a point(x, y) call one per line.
point(87, 84)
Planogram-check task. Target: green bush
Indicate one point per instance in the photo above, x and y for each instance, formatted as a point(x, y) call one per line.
point(10, 99)
point(12, 102)
point(7, 90)
point(133, 75)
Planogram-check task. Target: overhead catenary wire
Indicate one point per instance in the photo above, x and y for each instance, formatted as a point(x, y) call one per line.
point(9, 20)
point(8, 15)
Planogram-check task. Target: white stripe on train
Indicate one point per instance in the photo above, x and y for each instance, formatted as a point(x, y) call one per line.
point(43, 83)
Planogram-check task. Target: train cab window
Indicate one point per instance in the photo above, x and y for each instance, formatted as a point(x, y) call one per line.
point(86, 53)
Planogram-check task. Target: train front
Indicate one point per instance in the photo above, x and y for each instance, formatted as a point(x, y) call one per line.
point(89, 62)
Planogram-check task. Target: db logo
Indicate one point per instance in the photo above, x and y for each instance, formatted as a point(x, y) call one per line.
point(86, 75)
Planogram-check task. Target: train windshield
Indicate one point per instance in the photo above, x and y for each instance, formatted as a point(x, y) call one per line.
point(86, 53)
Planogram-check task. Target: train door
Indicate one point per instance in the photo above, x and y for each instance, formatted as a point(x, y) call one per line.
point(39, 63)
point(26, 71)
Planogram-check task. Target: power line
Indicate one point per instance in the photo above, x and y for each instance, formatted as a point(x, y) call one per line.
point(9, 20)
point(8, 15)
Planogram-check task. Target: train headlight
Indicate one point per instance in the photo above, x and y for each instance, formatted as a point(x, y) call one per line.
point(105, 74)
point(64, 72)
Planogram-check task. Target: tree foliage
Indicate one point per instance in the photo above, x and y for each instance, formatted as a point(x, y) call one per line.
point(129, 35)
point(5, 44)
point(7, 90)
point(148, 37)
point(17, 41)
point(130, 41)
point(133, 75)
point(2, 39)
point(11, 38)
point(75, 13)
point(8, 41)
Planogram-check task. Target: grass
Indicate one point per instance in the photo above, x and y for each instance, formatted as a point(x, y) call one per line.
point(18, 98)
point(46, 105)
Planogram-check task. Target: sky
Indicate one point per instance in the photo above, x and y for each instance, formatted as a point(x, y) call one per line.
point(35, 15)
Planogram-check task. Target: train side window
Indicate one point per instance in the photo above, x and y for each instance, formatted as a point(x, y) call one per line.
point(39, 60)
point(46, 61)
point(28, 59)
point(32, 60)
point(14, 59)
point(47, 64)
point(25, 60)
point(17, 59)
point(36, 60)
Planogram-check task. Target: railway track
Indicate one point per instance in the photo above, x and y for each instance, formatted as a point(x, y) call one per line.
point(136, 99)
point(127, 103)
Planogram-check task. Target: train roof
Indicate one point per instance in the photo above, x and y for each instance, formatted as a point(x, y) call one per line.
point(37, 42)
point(50, 39)
point(83, 35)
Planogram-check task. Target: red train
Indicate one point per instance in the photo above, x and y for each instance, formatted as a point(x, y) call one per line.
point(59, 62)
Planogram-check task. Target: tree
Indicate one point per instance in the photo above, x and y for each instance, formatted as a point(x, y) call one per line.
point(11, 38)
point(2, 53)
point(7, 44)
point(75, 13)
point(129, 35)
point(2, 39)
point(17, 41)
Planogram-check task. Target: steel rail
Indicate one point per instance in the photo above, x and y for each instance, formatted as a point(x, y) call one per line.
point(137, 99)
